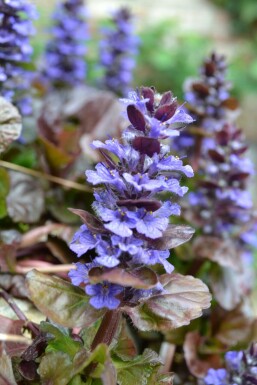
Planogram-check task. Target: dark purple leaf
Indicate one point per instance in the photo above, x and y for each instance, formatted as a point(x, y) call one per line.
point(166, 98)
point(148, 93)
point(147, 146)
point(238, 176)
point(90, 220)
point(216, 156)
point(210, 69)
point(149, 205)
point(28, 369)
point(208, 184)
point(36, 349)
point(166, 111)
point(136, 118)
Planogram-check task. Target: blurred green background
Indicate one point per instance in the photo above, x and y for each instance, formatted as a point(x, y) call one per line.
point(176, 35)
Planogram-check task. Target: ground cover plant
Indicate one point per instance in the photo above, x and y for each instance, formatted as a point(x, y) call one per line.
point(127, 229)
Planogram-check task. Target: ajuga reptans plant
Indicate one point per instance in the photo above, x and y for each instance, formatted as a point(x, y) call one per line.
point(15, 52)
point(64, 62)
point(130, 234)
point(117, 53)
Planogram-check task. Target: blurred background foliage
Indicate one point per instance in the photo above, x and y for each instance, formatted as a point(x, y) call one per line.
point(168, 55)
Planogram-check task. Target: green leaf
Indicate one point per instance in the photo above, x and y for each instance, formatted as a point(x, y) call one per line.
point(124, 347)
point(56, 369)
point(89, 333)
point(4, 189)
point(10, 124)
point(141, 370)
point(61, 340)
point(59, 300)
point(183, 300)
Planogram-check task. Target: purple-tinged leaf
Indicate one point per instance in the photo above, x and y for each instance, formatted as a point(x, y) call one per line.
point(166, 98)
point(224, 252)
point(136, 118)
point(10, 326)
point(174, 236)
point(60, 301)
point(139, 278)
point(199, 364)
point(183, 300)
point(225, 285)
point(147, 146)
point(236, 326)
point(93, 224)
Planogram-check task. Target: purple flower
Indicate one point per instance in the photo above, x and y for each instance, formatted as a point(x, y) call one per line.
point(15, 31)
point(121, 221)
point(233, 359)
point(216, 377)
point(152, 224)
point(129, 213)
point(104, 175)
point(142, 182)
point(104, 295)
point(83, 240)
point(64, 63)
point(117, 52)
point(80, 274)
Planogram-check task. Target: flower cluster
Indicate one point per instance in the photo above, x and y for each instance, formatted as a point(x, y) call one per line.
point(117, 52)
point(241, 369)
point(222, 203)
point(130, 215)
point(65, 53)
point(15, 51)
point(209, 101)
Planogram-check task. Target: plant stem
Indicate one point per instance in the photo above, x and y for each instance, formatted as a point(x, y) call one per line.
point(18, 312)
point(107, 329)
point(40, 175)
